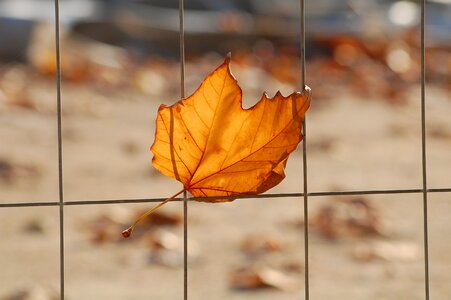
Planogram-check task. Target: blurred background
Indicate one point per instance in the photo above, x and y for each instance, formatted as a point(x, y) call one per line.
point(120, 61)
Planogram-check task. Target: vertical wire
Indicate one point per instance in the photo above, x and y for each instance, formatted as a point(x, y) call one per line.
point(306, 218)
point(60, 145)
point(423, 148)
point(185, 246)
point(304, 154)
point(302, 43)
point(185, 198)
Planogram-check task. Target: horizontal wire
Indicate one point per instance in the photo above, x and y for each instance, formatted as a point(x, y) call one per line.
point(284, 195)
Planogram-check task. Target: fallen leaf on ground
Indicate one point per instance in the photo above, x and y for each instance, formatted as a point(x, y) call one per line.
point(103, 228)
point(254, 245)
point(439, 131)
point(34, 293)
point(163, 239)
point(394, 251)
point(12, 172)
point(34, 226)
point(252, 279)
point(349, 217)
point(293, 267)
point(166, 249)
point(162, 218)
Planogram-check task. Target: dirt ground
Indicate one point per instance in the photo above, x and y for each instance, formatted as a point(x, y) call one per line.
point(367, 247)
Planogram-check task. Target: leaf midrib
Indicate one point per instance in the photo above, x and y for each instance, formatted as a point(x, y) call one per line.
point(209, 131)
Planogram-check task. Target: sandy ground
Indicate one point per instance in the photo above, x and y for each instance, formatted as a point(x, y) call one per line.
point(353, 144)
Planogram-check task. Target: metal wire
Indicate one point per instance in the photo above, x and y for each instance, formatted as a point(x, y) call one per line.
point(237, 197)
point(302, 43)
point(306, 218)
point(185, 197)
point(60, 146)
point(423, 149)
point(304, 155)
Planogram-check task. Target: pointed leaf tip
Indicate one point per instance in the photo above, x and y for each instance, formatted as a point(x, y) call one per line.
point(229, 55)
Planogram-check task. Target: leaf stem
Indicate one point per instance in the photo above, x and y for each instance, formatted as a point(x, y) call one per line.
point(128, 232)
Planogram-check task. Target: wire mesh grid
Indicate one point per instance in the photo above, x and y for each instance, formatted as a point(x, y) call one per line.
point(304, 195)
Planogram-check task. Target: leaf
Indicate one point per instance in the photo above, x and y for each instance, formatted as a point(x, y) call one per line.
point(388, 251)
point(255, 245)
point(349, 217)
point(259, 278)
point(216, 148)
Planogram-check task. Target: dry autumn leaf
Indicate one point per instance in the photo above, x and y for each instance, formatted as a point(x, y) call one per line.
point(259, 278)
point(215, 148)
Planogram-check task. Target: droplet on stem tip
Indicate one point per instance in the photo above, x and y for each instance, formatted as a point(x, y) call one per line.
point(127, 233)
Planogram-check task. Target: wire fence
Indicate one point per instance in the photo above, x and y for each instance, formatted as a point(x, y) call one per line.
point(304, 195)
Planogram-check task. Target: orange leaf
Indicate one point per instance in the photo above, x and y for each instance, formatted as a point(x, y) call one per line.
point(216, 148)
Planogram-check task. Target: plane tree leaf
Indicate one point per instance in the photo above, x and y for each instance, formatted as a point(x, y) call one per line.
point(214, 147)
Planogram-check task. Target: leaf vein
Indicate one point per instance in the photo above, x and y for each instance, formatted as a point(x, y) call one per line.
point(250, 154)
